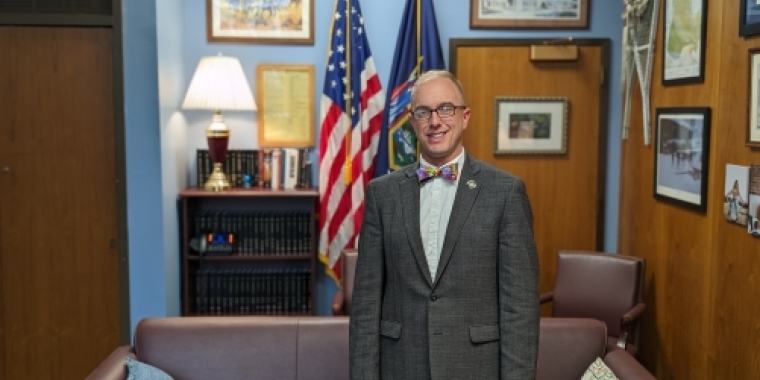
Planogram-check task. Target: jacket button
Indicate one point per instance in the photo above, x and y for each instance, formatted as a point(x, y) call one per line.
point(434, 298)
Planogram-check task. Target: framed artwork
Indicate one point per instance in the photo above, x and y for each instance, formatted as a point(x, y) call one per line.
point(506, 14)
point(266, 22)
point(684, 51)
point(753, 225)
point(749, 18)
point(530, 125)
point(735, 199)
point(753, 117)
point(286, 109)
point(682, 155)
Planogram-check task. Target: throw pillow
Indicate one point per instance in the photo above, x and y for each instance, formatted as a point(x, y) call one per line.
point(599, 371)
point(140, 371)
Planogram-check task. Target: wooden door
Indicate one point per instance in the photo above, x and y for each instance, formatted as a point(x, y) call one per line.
point(566, 190)
point(59, 280)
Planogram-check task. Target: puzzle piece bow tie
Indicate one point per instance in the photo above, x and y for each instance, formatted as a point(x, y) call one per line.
point(449, 172)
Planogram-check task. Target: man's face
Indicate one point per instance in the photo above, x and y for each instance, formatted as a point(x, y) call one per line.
point(440, 138)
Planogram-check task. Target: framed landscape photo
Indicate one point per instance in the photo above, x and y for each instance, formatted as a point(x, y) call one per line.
point(530, 125)
point(682, 156)
point(267, 22)
point(514, 14)
point(685, 24)
point(753, 117)
point(749, 18)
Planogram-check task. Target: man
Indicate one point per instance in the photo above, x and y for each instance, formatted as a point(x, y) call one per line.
point(447, 274)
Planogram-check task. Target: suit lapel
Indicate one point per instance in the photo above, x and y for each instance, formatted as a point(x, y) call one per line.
point(467, 191)
point(410, 199)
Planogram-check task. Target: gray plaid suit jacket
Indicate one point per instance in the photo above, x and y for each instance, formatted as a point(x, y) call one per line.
point(478, 319)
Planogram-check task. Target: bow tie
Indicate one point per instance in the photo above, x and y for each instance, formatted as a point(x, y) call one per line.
point(449, 172)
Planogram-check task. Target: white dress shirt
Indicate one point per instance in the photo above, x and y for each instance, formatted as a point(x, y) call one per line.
point(436, 200)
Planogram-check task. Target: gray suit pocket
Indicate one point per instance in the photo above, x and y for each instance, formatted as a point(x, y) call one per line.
point(482, 334)
point(390, 329)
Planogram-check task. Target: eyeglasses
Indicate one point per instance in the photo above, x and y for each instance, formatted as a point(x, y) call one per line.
point(444, 111)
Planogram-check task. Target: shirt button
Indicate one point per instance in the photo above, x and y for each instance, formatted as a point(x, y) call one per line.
point(434, 298)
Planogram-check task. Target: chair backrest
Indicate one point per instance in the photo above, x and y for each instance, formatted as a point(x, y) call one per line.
point(598, 285)
point(567, 346)
point(348, 263)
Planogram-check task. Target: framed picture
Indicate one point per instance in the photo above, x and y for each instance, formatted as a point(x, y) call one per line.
point(749, 18)
point(267, 22)
point(530, 125)
point(753, 225)
point(285, 105)
point(506, 14)
point(753, 117)
point(682, 156)
point(684, 57)
point(735, 199)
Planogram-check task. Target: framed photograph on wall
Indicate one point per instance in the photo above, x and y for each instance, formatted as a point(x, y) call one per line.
point(501, 14)
point(753, 225)
point(749, 18)
point(266, 22)
point(753, 117)
point(530, 125)
point(682, 156)
point(735, 197)
point(684, 22)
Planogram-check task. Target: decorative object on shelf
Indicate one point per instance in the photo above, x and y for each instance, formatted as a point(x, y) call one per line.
point(749, 18)
point(682, 156)
point(286, 117)
point(638, 49)
point(526, 125)
point(753, 120)
point(489, 14)
point(266, 22)
point(685, 25)
point(753, 225)
point(735, 201)
point(218, 84)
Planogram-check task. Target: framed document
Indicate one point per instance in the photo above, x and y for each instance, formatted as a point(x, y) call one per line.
point(286, 105)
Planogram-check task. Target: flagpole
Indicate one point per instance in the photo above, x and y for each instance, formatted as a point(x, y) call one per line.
point(347, 96)
point(419, 37)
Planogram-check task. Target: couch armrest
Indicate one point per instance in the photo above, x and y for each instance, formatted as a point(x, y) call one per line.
point(546, 297)
point(338, 303)
point(634, 313)
point(626, 367)
point(113, 367)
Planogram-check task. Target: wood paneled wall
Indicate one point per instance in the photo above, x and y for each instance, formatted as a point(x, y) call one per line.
point(702, 271)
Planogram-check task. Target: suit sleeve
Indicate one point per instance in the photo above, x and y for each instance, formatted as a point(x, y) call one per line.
point(518, 288)
point(364, 332)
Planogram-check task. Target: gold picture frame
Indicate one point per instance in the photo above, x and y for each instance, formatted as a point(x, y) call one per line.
point(266, 22)
point(285, 95)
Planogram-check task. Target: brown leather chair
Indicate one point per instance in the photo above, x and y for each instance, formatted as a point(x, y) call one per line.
point(603, 286)
point(342, 300)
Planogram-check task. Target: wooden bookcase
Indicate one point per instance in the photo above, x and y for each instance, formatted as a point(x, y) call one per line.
point(272, 269)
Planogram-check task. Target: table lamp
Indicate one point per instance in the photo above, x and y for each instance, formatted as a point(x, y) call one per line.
point(218, 84)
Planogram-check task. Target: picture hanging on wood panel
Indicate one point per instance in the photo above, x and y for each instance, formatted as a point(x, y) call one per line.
point(531, 125)
point(682, 155)
point(753, 225)
point(735, 199)
point(749, 18)
point(753, 117)
point(684, 53)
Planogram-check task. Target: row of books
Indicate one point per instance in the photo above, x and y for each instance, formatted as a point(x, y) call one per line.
point(286, 168)
point(273, 232)
point(246, 291)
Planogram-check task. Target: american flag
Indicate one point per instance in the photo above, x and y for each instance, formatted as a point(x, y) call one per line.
point(351, 119)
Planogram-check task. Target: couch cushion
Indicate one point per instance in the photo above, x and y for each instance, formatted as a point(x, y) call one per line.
point(598, 371)
point(567, 346)
point(220, 348)
point(141, 371)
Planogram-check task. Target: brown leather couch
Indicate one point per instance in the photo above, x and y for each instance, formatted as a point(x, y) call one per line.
point(315, 348)
point(236, 348)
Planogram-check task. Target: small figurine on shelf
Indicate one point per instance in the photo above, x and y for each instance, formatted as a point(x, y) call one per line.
point(247, 181)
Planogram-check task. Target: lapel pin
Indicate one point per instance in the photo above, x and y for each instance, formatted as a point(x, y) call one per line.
point(472, 184)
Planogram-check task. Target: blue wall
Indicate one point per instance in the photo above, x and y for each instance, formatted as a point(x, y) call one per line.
point(154, 86)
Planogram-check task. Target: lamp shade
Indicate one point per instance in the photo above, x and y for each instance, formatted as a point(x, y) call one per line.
point(219, 84)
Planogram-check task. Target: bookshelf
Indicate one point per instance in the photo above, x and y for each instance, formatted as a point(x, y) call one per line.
point(272, 264)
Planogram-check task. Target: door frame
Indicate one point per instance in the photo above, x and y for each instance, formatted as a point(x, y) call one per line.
point(604, 90)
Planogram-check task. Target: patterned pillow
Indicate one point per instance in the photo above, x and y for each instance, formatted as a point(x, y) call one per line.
point(598, 371)
point(141, 371)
